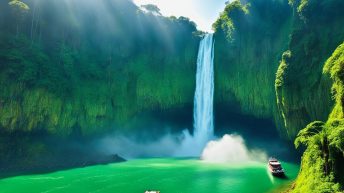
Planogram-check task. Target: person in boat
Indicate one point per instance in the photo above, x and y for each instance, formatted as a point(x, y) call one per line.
point(275, 167)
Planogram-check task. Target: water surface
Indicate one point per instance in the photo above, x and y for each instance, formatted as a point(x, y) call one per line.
point(167, 175)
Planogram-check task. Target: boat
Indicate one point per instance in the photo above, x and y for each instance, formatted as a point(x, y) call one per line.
point(275, 167)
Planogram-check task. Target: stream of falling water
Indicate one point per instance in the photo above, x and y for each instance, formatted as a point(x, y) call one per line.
point(193, 145)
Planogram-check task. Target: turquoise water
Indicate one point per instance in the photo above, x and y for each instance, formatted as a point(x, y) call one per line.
point(166, 175)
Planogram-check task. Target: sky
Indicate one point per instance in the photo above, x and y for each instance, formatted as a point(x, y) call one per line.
point(202, 12)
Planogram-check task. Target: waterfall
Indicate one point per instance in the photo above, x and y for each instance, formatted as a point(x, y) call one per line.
point(204, 94)
point(193, 145)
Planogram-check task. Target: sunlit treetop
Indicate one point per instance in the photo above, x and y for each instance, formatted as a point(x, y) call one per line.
point(151, 8)
point(19, 5)
point(224, 22)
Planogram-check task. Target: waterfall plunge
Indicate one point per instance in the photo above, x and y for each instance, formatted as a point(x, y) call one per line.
point(193, 145)
point(204, 94)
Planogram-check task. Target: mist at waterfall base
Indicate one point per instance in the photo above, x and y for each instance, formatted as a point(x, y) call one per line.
point(231, 148)
point(228, 149)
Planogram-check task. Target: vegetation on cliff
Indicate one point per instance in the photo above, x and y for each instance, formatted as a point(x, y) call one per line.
point(67, 70)
point(322, 163)
point(304, 95)
point(225, 22)
point(79, 69)
point(257, 35)
point(249, 41)
point(301, 89)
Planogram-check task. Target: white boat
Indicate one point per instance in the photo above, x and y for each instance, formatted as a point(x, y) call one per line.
point(275, 167)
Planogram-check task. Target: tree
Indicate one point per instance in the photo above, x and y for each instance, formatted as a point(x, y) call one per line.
point(20, 9)
point(306, 134)
point(225, 22)
point(150, 8)
point(21, 6)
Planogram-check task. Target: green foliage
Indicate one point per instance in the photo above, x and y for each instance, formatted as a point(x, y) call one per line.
point(225, 22)
point(302, 6)
point(151, 9)
point(306, 134)
point(19, 5)
point(318, 169)
point(306, 9)
point(246, 66)
point(336, 136)
point(281, 71)
point(312, 177)
point(321, 169)
point(60, 75)
point(303, 77)
point(334, 66)
point(308, 78)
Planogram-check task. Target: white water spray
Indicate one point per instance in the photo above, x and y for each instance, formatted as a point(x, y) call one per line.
point(231, 149)
point(193, 145)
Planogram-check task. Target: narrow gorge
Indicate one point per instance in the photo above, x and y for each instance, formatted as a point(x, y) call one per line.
point(84, 83)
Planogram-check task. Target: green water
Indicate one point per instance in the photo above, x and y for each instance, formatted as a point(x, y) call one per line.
point(166, 175)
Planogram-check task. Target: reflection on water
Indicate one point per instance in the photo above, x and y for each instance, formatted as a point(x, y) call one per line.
point(271, 177)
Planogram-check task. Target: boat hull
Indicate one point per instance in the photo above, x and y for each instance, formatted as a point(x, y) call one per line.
point(278, 174)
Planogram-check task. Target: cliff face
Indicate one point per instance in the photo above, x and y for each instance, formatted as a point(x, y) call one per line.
point(304, 84)
point(71, 71)
point(303, 93)
point(322, 162)
point(85, 67)
point(269, 59)
point(247, 56)
point(68, 71)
